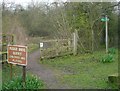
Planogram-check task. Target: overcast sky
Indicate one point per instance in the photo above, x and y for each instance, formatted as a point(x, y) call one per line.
point(25, 2)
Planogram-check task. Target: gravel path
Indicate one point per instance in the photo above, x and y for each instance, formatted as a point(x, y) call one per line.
point(49, 76)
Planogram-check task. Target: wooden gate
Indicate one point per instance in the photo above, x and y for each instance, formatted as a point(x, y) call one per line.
point(59, 47)
point(55, 47)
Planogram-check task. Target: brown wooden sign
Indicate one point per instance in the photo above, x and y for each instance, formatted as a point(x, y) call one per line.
point(17, 54)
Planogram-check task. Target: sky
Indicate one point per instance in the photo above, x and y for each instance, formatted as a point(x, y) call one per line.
point(25, 2)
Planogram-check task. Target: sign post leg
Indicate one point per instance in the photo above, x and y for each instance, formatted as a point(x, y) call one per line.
point(24, 76)
point(11, 71)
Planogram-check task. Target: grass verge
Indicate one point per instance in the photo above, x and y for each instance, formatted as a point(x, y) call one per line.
point(85, 71)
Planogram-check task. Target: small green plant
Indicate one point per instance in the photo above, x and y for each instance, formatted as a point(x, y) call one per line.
point(32, 82)
point(107, 58)
point(111, 50)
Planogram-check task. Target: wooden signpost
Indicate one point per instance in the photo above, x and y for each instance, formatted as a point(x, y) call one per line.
point(17, 54)
point(106, 19)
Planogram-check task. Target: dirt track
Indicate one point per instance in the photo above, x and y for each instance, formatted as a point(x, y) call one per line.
point(49, 76)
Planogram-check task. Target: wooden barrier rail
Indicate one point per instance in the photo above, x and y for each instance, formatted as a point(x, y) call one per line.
point(6, 39)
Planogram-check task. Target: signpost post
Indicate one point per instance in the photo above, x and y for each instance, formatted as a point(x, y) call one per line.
point(17, 54)
point(10, 71)
point(105, 19)
point(106, 34)
point(24, 76)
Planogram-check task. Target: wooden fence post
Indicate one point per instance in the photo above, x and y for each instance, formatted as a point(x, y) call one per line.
point(12, 39)
point(75, 42)
point(4, 46)
point(56, 47)
point(69, 44)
